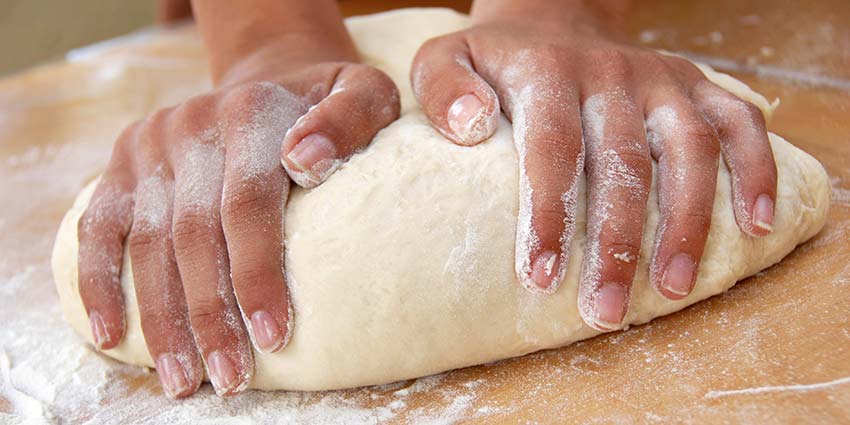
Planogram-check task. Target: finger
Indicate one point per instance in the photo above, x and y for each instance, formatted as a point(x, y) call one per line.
point(619, 175)
point(361, 102)
point(687, 151)
point(255, 191)
point(547, 134)
point(202, 260)
point(748, 155)
point(102, 229)
point(457, 101)
point(162, 304)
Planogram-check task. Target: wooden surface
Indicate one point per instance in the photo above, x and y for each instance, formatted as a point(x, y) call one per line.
point(776, 348)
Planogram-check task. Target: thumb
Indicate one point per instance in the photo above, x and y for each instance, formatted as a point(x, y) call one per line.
point(457, 101)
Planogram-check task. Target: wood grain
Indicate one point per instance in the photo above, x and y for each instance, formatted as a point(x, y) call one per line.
point(774, 349)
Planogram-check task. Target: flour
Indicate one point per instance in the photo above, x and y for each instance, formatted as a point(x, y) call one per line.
point(76, 389)
point(154, 195)
point(258, 130)
point(820, 386)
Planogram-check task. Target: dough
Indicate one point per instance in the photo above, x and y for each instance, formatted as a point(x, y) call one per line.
point(414, 239)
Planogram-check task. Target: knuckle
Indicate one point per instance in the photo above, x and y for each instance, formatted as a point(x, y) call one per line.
point(251, 95)
point(190, 225)
point(615, 62)
point(191, 115)
point(124, 144)
point(701, 220)
point(629, 163)
point(753, 112)
point(252, 280)
point(129, 132)
point(548, 59)
point(157, 119)
point(698, 219)
point(206, 313)
point(653, 62)
point(424, 71)
point(108, 212)
point(250, 198)
point(703, 138)
point(144, 239)
point(550, 221)
point(554, 149)
point(683, 67)
point(381, 89)
point(623, 249)
point(433, 45)
point(149, 133)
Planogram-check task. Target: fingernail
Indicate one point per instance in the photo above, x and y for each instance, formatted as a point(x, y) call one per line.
point(314, 154)
point(611, 306)
point(266, 332)
point(464, 117)
point(171, 375)
point(679, 276)
point(763, 213)
point(98, 329)
point(222, 373)
point(545, 269)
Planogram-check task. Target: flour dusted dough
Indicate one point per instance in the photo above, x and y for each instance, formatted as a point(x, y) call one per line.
point(402, 263)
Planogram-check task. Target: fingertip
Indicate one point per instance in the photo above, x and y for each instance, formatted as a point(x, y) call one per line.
point(605, 307)
point(173, 377)
point(99, 334)
point(763, 214)
point(471, 119)
point(105, 335)
point(267, 334)
point(224, 377)
point(312, 160)
point(543, 276)
point(678, 278)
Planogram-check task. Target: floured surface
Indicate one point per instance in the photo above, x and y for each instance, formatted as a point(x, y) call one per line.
point(786, 327)
point(393, 226)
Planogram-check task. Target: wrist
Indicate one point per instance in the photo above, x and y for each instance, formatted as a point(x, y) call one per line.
point(249, 32)
point(269, 58)
point(598, 15)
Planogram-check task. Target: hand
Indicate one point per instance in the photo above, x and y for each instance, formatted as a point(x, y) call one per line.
point(581, 99)
point(198, 192)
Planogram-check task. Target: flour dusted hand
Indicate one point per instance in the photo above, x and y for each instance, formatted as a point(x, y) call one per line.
point(582, 100)
point(197, 191)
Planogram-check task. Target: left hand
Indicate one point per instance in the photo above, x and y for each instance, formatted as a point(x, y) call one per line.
point(582, 99)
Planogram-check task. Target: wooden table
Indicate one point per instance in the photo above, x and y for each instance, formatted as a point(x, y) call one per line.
point(776, 348)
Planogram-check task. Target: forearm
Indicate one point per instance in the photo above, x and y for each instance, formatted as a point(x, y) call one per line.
point(235, 30)
point(611, 13)
point(170, 11)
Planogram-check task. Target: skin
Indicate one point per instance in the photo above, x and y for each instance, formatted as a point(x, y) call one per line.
point(195, 189)
point(583, 99)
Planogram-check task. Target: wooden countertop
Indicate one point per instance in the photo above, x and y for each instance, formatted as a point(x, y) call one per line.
point(775, 348)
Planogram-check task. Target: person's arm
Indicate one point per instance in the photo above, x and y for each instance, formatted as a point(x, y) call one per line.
point(197, 190)
point(583, 100)
point(170, 11)
point(235, 30)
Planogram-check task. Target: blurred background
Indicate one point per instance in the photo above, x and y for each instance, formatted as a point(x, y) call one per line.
point(35, 31)
point(804, 41)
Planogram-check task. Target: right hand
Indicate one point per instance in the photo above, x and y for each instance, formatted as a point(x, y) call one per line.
point(197, 190)
point(583, 100)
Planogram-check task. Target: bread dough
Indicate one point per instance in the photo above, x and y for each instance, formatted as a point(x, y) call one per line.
point(402, 263)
